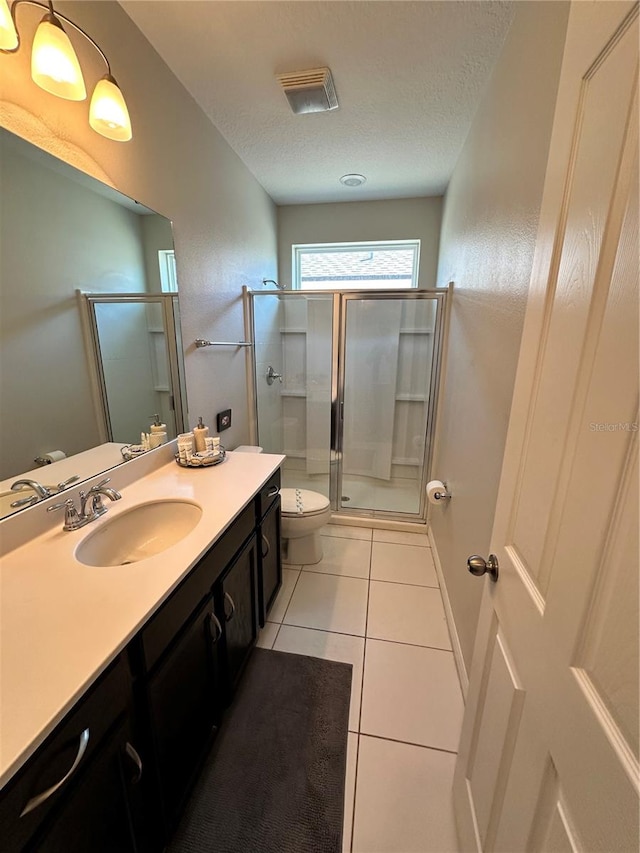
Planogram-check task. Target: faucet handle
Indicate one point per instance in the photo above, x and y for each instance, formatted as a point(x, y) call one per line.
point(72, 519)
point(100, 485)
point(63, 485)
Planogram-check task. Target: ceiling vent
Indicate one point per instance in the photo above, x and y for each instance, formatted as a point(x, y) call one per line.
point(309, 91)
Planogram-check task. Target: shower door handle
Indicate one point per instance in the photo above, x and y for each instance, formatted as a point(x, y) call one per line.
point(342, 410)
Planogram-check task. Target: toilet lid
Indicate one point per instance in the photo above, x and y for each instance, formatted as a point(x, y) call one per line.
point(302, 502)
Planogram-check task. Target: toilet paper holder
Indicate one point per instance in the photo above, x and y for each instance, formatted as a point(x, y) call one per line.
point(443, 496)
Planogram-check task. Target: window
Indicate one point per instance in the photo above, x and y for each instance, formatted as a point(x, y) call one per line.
point(168, 277)
point(356, 266)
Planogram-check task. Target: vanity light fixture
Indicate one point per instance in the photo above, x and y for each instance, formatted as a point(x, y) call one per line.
point(55, 68)
point(8, 34)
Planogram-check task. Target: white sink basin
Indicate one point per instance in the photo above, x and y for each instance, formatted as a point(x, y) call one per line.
point(139, 533)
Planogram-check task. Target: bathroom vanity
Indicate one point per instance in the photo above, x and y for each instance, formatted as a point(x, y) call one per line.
point(115, 678)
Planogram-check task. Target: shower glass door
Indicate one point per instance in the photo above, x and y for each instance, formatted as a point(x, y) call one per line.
point(345, 387)
point(387, 355)
point(293, 344)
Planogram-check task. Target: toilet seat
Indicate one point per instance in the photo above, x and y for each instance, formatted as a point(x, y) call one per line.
point(302, 502)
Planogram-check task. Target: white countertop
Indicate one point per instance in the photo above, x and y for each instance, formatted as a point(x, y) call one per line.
point(62, 623)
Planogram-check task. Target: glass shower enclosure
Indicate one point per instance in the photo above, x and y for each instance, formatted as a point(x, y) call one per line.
point(346, 387)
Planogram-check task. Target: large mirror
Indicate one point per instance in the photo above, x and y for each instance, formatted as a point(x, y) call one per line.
point(89, 325)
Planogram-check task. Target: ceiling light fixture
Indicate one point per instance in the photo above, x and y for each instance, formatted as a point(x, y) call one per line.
point(55, 68)
point(353, 180)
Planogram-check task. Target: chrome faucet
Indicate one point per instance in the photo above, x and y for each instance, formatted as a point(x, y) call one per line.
point(40, 490)
point(94, 498)
point(73, 518)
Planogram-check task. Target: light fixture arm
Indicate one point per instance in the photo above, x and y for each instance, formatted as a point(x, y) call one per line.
point(48, 7)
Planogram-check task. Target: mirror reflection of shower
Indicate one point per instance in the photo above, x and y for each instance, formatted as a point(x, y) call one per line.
point(135, 346)
point(349, 395)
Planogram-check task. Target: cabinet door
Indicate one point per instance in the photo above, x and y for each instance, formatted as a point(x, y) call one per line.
point(237, 602)
point(96, 815)
point(183, 706)
point(41, 786)
point(270, 559)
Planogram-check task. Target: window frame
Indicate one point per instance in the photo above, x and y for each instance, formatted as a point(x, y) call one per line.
point(299, 249)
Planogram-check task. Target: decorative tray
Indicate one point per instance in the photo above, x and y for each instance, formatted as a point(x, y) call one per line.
point(195, 462)
point(132, 451)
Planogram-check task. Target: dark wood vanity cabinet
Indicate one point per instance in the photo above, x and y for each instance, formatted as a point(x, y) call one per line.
point(269, 539)
point(152, 715)
point(189, 656)
point(104, 813)
point(236, 597)
point(81, 790)
point(183, 707)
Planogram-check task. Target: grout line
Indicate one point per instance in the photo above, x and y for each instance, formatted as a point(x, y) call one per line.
point(355, 789)
point(410, 743)
point(333, 574)
point(275, 639)
point(403, 544)
point(286, 610)
point(364, 658)
point(350, 538)
point(364, 653)
point(402, 583)
point(405, 643)
point(359, 637)
point(324, 630)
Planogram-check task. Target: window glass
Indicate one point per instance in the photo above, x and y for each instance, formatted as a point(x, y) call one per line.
point(356, 266)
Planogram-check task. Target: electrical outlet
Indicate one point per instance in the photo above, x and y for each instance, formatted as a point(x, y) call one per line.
point(223, 420)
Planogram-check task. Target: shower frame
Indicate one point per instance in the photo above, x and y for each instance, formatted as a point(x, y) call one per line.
point(341, 298)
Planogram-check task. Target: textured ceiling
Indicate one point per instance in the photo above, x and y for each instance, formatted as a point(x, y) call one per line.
point(408, 76)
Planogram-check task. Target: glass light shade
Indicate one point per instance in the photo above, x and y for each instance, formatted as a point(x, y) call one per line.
point(8, 34)
point(54, 64)
point(108, 113)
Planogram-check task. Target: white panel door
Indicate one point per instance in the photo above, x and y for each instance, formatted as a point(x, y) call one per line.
point(548, 758)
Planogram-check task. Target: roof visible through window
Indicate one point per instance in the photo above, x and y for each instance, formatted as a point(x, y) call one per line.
point(348, 266)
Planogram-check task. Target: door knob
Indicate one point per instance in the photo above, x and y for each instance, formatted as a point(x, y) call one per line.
point(478, 566)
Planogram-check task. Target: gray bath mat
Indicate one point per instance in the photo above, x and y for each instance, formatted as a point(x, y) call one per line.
point(274, 781)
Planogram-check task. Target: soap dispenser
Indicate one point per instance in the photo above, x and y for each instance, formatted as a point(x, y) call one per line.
point(156, 426)
point(200, 433)
point(158, 433)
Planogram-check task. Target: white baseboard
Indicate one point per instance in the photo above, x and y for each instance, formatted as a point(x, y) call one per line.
point(455, 640)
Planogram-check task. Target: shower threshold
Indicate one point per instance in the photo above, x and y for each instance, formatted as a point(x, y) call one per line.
point(377, 523)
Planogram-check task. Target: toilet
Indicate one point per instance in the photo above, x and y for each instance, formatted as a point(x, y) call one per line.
point(304, 514)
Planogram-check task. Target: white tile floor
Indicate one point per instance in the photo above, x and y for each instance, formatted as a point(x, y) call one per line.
point(374, 602)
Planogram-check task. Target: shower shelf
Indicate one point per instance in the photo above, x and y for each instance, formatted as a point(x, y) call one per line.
point(411, 398)
point(293, 330)
point(416, 331)
point(290, 393)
